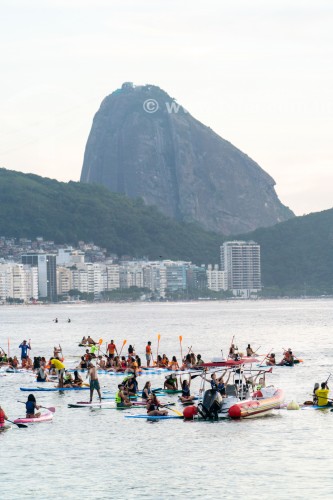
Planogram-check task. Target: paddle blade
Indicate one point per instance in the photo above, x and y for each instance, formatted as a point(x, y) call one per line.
point(158, 337)
point(124, 342)
point(100, 341)
point(52, 409)
point(180, 339)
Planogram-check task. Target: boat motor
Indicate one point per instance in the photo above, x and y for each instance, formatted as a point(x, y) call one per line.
point(211, 404)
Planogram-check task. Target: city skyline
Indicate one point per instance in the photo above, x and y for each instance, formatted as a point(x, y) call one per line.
point(258, 74)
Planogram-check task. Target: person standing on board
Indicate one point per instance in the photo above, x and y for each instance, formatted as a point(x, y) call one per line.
point(94, 383)
point(148, 353)
point(25, 347)
point(112, 349)
point(60, 367)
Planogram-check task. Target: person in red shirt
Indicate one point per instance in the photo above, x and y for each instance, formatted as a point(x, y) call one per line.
point(148, 353)
point(112, 349)
point(3, 417)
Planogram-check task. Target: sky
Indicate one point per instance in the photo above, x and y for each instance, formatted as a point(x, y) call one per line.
point(259, 73)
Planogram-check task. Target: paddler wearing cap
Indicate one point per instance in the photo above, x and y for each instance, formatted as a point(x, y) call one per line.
point(171, 382)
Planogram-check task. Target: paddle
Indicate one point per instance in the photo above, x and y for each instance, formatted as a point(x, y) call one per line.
point(51, 409)
point(122, 347)
point(21, 426)
point(266, 357)
point(158, 345)
point(175, 411)
point(181, 348)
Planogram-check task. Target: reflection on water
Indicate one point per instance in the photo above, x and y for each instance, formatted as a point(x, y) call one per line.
point(87, 453)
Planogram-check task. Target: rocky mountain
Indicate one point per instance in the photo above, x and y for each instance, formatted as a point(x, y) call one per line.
point(143, 144)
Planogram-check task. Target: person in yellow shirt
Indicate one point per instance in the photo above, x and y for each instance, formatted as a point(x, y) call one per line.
point(60, 367)
point(322, 395)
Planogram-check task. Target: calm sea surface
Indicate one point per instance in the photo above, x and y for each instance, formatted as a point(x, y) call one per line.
point(100, 454)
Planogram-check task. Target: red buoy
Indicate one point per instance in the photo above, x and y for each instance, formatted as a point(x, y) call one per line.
point(189, 412)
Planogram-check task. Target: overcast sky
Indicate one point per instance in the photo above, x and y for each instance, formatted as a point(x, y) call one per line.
point(259, 72)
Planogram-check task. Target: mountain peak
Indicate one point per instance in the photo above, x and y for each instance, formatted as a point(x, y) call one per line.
point(144, 144)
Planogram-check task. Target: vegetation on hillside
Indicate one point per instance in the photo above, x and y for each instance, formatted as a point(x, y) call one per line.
point(296, 255)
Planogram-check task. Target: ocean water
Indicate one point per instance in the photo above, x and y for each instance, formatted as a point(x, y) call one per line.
point(85, 453)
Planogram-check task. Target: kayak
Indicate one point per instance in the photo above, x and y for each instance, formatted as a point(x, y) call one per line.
point(49, 389)
point(5, 428)
point(168, 391)
point(48, 415)
point(155, 417)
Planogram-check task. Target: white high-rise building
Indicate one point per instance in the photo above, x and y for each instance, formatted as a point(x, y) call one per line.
point(241, 261)
point(216, 279)
point(18, 281)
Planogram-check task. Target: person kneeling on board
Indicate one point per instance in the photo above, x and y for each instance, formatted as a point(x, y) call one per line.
point(31, 406)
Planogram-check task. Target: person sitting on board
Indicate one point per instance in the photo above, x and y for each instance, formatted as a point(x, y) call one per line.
point(159, 363)
point(187, 363)
point(322, 395)
point(31, 406)
point(42, 375)
point(83, 341)
point(3, 417)
point(123, 363)
point(121, 399)
point(153, 406)
point(132, 385)
point(27, 364)
point(15, 362)
point(271, 361)
point(101, 363)
point(173, 365)
point(90, 340)
point(314, 397)
point(138, 360)
point(249, 351)
point(83, 363)
point(68, 379)
point(186, 393)
point(146, 391)
point(233, 351)
point(288, 358)
point(165, 361)
point(193, 359)
point(171, 382)
point(200, 361)
point(77, 382)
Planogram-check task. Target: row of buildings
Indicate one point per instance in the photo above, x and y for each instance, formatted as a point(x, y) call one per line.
point(55, 276)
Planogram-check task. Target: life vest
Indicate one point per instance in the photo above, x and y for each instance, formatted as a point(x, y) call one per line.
point(118, 398)
point(2, 418)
